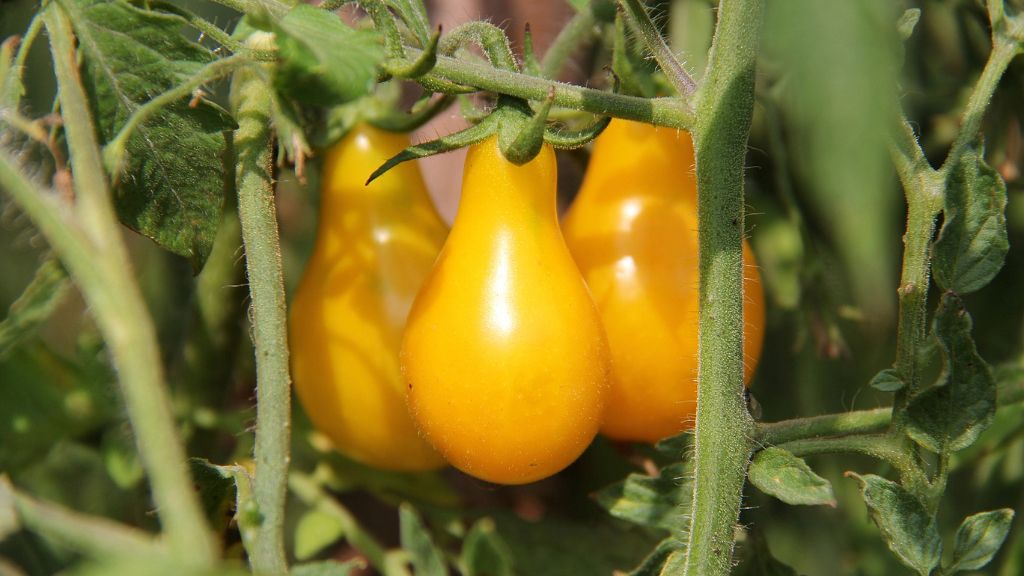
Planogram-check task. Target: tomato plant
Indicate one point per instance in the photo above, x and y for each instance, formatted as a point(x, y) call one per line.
point(169, 268)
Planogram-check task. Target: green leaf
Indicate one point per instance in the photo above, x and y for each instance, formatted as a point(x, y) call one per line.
point(953, 413)
point(972, 244)
point(906, 526)
point(121, 458)
point(427, 559)
point(979, 538)
point(328, 568)
point(779, 473)
point(216, 486)
point(323, 61)
point(658, 501)
point(484, 553)
point(35, 305)
point(887, 380)
point(172, 186)
point(656, 560)
point(315, 531)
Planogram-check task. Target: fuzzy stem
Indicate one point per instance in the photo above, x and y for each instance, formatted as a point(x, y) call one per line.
point(666, 59)
point(671, 112)
point(104, 272)
point(258, 214)
point(724, 431)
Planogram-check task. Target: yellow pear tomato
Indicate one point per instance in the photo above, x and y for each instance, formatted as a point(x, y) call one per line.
point(375, 245)
point(504, 354)
point(633, 231)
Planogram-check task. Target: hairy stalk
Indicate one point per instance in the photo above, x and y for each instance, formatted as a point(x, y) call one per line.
point(859, 422)
point(666, 59)
point(880, 446)
point(251, 101)
point(579, 29)
point(724, 431)
point(671, 112)
point(103, 270)
point(90, 535)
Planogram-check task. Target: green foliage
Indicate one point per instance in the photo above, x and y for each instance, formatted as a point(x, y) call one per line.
point(171, 188)
point(972, 244)
point(322, 61)
point(658, 501)
point(484, 553)
point(951, 414)
point(426, 558)
point(906, 526)
point(779, 473)
point(979, 538)
point(34, 306)
point(315, 531)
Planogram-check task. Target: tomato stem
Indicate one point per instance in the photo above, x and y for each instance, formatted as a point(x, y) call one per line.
point(724, 430)
point(258, 214)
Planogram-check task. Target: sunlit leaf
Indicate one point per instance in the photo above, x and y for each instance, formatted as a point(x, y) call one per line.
point(322, 60)
point(315, 531)
point(979, 538)
point(779, 473)
point(171, 189)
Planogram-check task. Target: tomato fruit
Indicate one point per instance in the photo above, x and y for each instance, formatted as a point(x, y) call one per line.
point(504, 354)
point(633, 231)
point(375, 245)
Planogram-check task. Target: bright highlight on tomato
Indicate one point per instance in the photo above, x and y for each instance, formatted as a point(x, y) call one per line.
point(375, 245)
point(504, 354)
point(633, 232)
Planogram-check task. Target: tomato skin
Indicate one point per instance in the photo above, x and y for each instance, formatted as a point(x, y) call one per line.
point(504, 354)
point(374, 247)
point(633, 232)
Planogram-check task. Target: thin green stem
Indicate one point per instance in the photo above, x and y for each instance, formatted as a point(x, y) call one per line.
point(578, 30)
point(91, 535)
point(256, 208)
point(724, 430)
point(671, 112)
point(1003, 52)
point(666, 59)
point(11, 97)
point(113, 152)
point(880, 446)
point(103, 270)
point(859, 422)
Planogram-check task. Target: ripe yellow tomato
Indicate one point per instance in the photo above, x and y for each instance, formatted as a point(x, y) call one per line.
point(504, 354)
point(633, 231)
point(374, 247)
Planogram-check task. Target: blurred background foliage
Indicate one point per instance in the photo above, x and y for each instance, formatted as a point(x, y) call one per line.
point(825, 215)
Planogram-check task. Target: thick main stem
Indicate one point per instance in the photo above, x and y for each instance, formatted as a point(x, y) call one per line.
point(104, 272)
point(258, 214)
point(724, 432)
